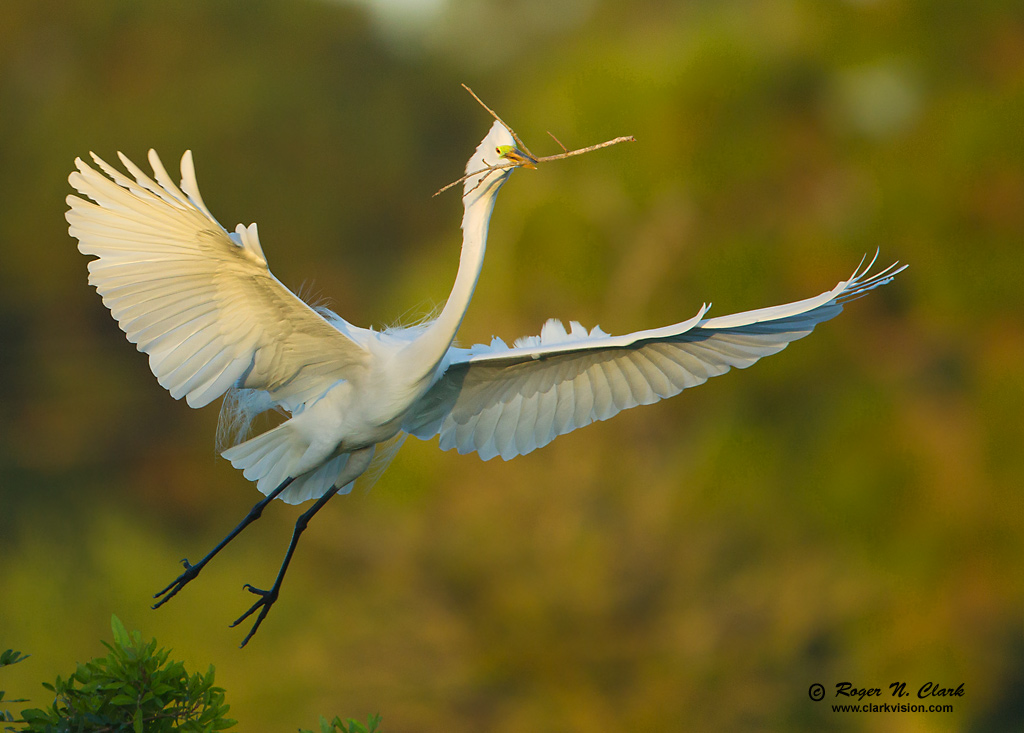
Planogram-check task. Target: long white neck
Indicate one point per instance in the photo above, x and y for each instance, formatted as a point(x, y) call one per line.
point(478, 199)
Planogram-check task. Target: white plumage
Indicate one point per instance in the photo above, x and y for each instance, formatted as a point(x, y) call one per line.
point(213, 319)
point(500, 401)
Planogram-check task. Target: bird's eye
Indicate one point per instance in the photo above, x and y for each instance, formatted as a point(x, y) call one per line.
point(498, 151)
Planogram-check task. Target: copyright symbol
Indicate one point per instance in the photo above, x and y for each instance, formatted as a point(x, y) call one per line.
point(817, 692)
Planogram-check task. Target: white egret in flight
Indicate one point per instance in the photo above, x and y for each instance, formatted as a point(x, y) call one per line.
point(202, 303)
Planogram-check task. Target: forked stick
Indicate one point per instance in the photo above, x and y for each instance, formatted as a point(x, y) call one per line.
point(522, 146)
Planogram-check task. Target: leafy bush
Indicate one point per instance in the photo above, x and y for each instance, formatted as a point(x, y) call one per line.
point(134, 688)
point(138, 688)
point(353, 726)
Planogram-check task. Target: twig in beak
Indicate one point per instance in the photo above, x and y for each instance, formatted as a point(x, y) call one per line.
point(522, 146)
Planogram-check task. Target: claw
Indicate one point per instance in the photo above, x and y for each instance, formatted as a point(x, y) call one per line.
point(191, 571)
point(267, 599)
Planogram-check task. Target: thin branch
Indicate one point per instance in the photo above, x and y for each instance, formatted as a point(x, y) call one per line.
point(581, 151)
point(558, 141)
point(488, 169)
point(522, 146)
point(520, 143)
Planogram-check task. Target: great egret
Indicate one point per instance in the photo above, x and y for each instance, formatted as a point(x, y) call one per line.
point(202, 303)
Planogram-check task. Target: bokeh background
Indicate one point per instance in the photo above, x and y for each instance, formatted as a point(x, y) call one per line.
point(849, 509)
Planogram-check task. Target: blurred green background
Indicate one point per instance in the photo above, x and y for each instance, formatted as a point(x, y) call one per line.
point(847, 510)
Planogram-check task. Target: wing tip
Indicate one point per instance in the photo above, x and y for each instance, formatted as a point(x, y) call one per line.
point(863, 281)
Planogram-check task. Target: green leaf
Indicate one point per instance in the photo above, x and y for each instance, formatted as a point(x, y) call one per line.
point(120, 633)
point(33, 714)
point(11, 657)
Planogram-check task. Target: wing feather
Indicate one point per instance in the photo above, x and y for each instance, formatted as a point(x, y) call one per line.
point(584, 391)
point(199, 301)
point(565, 406)
point(506, 401)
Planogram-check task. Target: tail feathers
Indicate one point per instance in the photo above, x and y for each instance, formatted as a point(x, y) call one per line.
point(271, 457)
point(316, 483)
point(383, 454)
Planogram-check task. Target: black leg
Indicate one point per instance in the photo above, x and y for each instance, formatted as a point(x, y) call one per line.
point(191, 571)
point(267, 597)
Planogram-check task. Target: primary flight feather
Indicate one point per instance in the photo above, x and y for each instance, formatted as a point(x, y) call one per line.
point(203, 304)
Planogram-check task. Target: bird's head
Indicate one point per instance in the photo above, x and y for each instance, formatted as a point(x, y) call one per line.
point(512, 154)
point(498, 148)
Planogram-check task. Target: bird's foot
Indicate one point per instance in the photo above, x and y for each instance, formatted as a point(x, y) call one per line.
point(191, 571)
point(266, 600)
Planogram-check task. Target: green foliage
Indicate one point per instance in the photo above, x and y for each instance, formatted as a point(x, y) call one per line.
point(137, 688)
point(11, 657)
point(134, 688)
point(350, 726)
point(7, 658)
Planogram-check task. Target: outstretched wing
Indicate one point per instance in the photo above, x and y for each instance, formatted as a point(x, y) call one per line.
point(199, 301)
point(501, 401)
